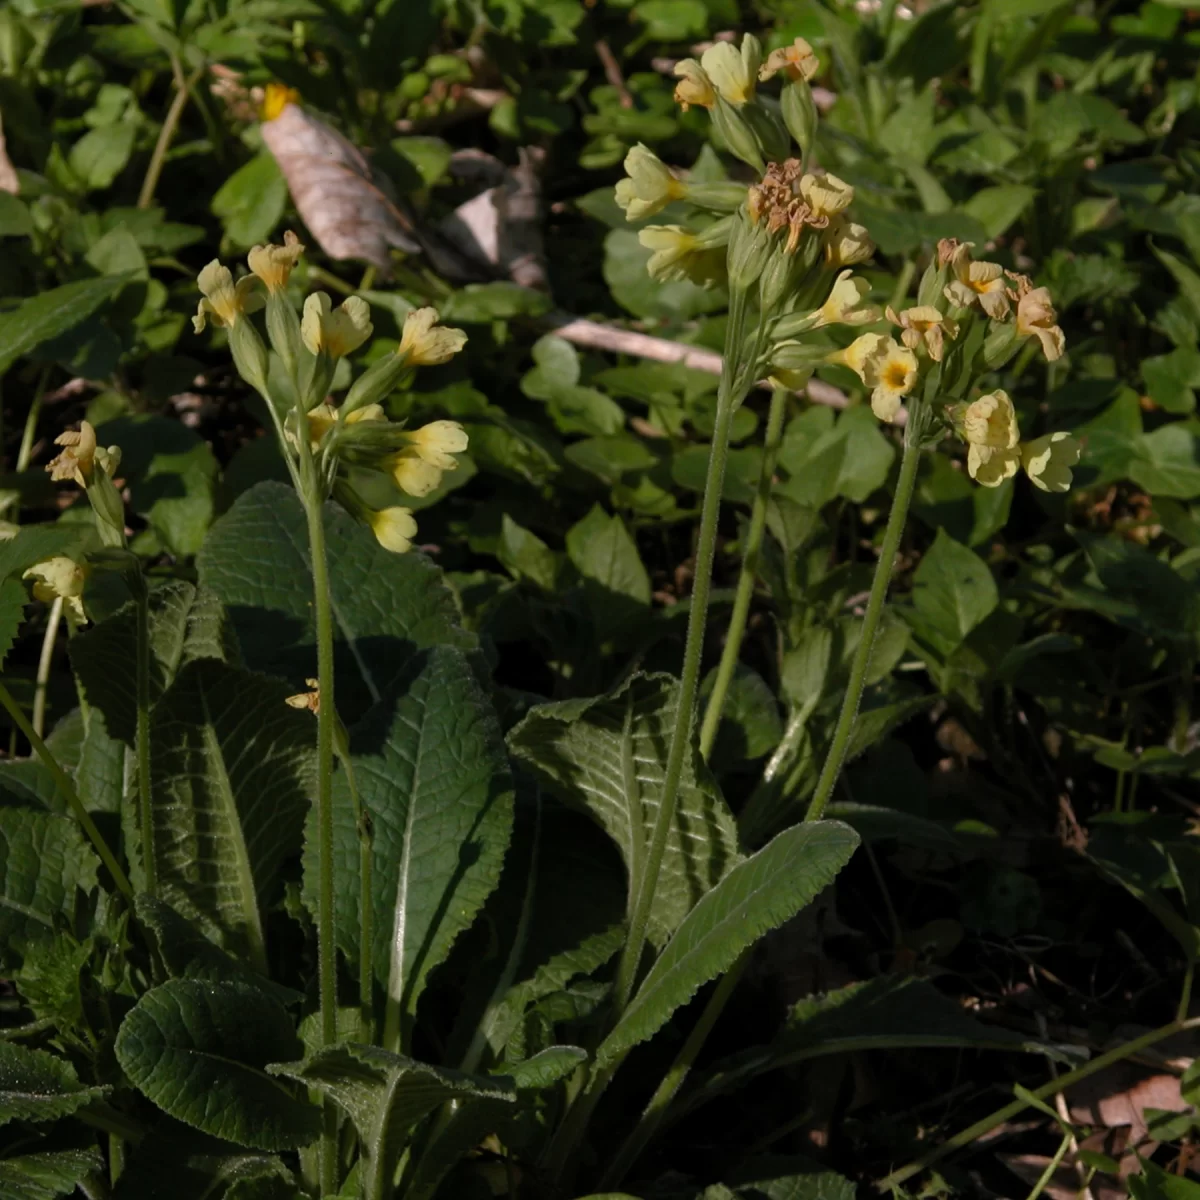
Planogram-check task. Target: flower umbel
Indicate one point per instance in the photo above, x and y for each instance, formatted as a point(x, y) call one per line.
point(224, 302)
point(650, 185)
point(1048, 461)
point(273, 264)
point(1036, 318)
point(989, 426)
point(60, 578)
point(425, 343)
point(336, 331)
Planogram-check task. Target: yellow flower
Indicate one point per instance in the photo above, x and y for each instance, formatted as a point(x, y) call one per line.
point(425, 343)
point(847, 243)
point(650, 185)
point(310, 699)
point(62, 579)
point(276, 98)
point(394, 528)
point(990, 429)
point(324, 417)
point(845, 304)
point(694, 86)
point(336, 331)
point(273, 264)
point(924, 323)
point(981, 282)
point(78, 455)
point(1048, 461)
point(890, 374)
point(856, 355)
point(418, 468)
point(796, 61)
point(1036, 317)
point(825, 195)
point(224, 301)
point(678, 254)
point(732, 72)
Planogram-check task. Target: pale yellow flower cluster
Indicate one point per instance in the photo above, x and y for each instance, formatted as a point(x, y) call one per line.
point(995, 451)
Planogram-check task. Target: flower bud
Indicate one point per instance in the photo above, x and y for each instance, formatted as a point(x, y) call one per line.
point(717, 197)
point(770, 133)
point(750, 247)
point(736, 133)
point(249, 355)
point(800, 116)
point(1001, 343)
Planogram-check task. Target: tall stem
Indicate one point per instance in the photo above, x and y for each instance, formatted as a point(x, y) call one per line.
point(145, 797)
point(166, 134)
point(43, 671)
point(64, 784)
point(25, 453)
point(749, 573)
point(836, 756)
point(681, 735)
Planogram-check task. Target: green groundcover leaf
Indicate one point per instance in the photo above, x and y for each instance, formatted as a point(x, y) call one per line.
point(385, 1095)
point(46, 1175)
point(186, 623)
point(759, 894)
point(386, 606)
point(430, 768)
point(51, 313)
point(606, 756)
point(38, 1086)
point(44, 861)
point(199, 1051)
point(232, 770)
point(12, 613)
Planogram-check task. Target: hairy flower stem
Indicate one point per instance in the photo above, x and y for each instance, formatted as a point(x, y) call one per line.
point(749, 572)
point(836, 755)
point(141, 599)
point(67, 788)
point(1047, 1090)
point(313, 500)
point(681, 735)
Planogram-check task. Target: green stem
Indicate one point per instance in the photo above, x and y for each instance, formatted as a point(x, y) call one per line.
point(967, 1136)
point(25, 453)
point(44, 660)
point(64, 784)
point(167, 133)
point(681, 735)
point(326, 948)
point(749, 573)
point(1051, 1167)
point(366, 923)
point(145, 795)
point(836, 756)
point(673, 1080)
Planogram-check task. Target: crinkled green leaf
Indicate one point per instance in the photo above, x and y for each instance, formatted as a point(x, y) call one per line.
point(606, 756)
point(386, 607)
point(51, 313)
point(38, 1086)
point(759, 894)
point(199, 1051)
point(231, 771)
point(46, 1175)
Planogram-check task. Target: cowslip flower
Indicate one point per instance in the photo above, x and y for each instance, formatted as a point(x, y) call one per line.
point(888, 369)
point(425, 343)
point(847, 243)
point(797, 62)
point(694, 86)
point(845, 304)
point(325, 416)
point(78, 455)
point(310, 700)
point(1048, 461)
point(1036, 318)
point(733, 72)
point(650, 185)
point(678, 254)
point(418, 468)
point(394, 528)
point(979, 283)
point(274, 264)
point(60, 578)
point(825, 195)
point(989, 426)
point(924, 323)
point(223, 301)
point(335, 331)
